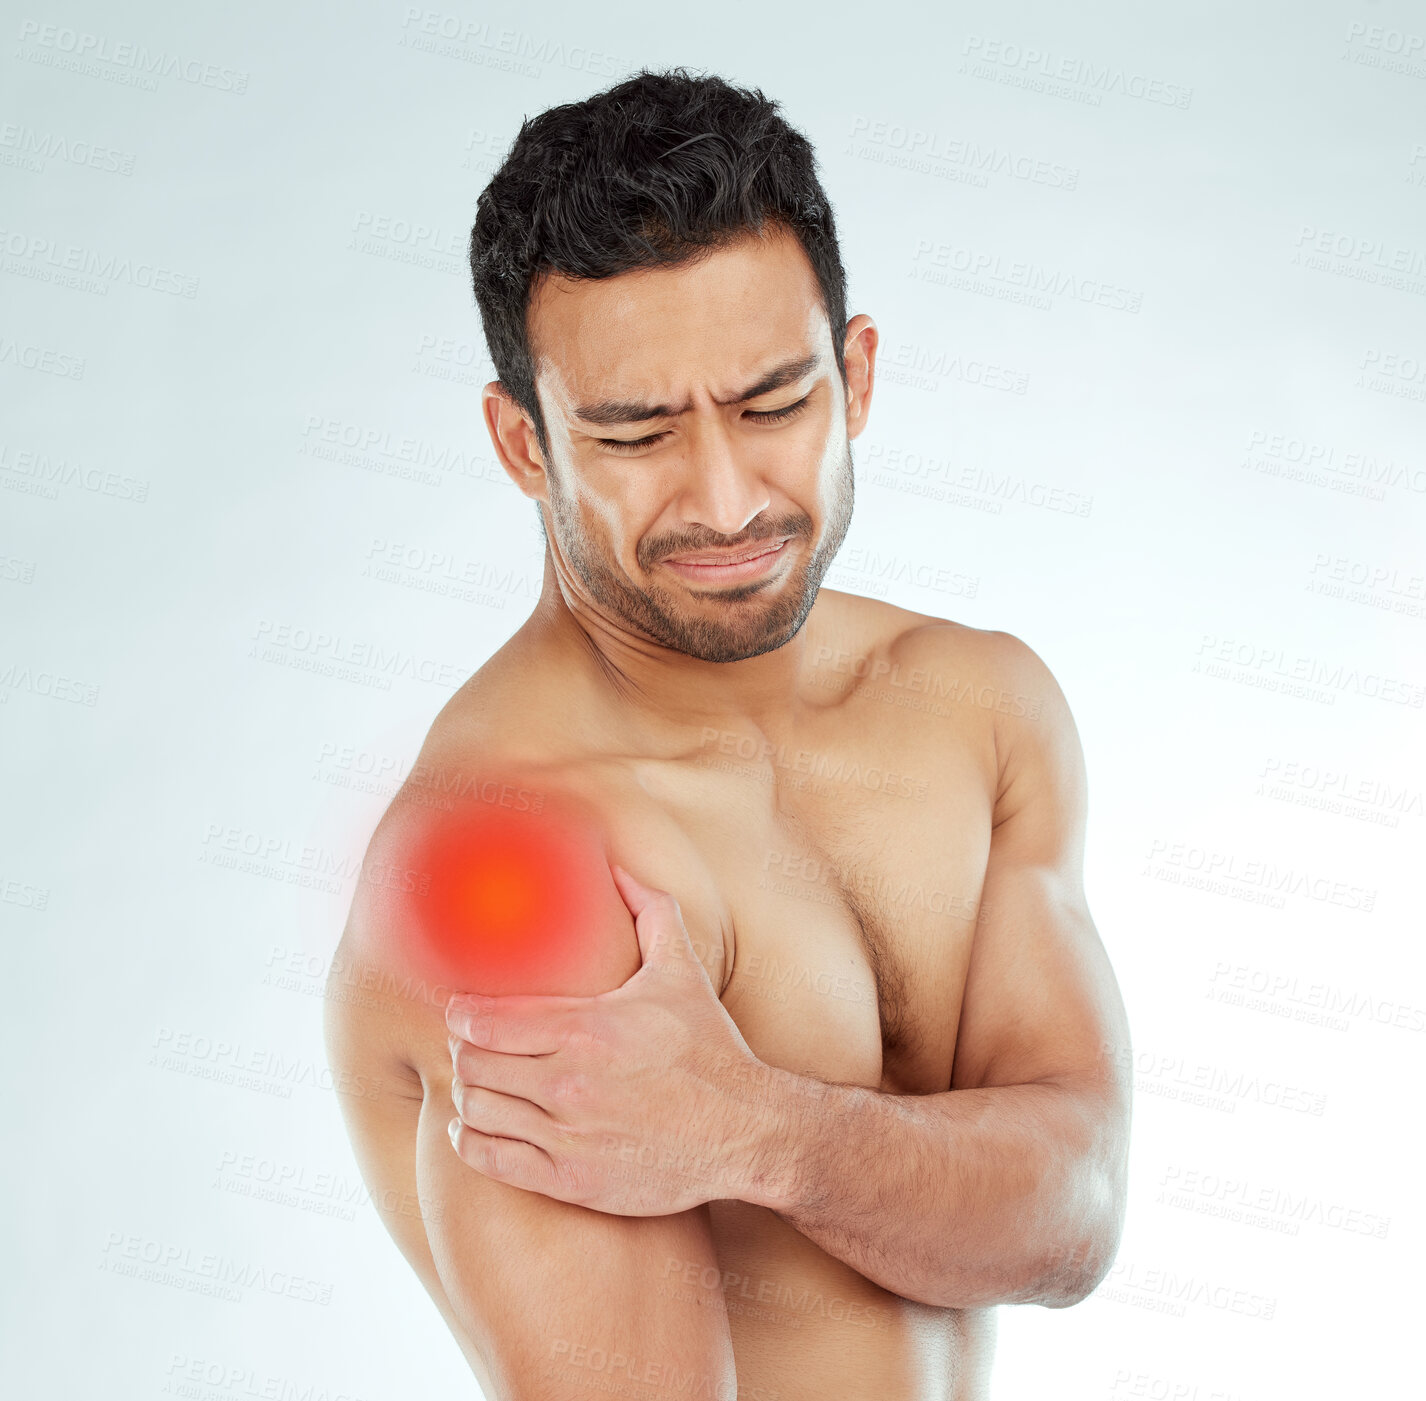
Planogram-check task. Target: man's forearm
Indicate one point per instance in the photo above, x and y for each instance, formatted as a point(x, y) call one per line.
point(960, 1199)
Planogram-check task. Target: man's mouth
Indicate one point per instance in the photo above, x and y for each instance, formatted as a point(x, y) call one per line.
point(720, 565)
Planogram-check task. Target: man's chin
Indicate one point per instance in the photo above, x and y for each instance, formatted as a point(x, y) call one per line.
point(763, 622)
point(728, 623)
point(700, 598)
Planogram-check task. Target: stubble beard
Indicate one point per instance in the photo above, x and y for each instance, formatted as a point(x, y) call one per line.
point(746, 631)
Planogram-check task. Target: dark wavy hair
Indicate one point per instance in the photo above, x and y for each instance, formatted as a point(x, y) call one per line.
point(660, 169)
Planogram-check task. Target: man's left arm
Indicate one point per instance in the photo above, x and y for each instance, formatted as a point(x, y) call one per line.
point(1009, 1187)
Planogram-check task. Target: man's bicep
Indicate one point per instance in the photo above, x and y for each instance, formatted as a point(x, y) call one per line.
point(565, 1302)
point(507, 890)
point(1041, 1001)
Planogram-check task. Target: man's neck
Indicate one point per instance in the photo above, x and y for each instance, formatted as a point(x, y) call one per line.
point(663, 685)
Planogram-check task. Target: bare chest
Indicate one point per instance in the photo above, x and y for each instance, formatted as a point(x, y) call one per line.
point(839, 901)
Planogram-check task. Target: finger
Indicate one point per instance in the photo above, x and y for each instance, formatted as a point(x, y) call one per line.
point(521, 1076)
point(634, 893)
point(503, 1116)
point(640, 897)
point(523, 1026)
point(504, 1159)
point(661, 932)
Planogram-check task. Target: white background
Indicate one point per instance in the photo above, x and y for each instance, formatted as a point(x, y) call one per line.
point(208, 291)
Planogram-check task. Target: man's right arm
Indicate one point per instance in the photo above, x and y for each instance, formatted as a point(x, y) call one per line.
point(560, 1301)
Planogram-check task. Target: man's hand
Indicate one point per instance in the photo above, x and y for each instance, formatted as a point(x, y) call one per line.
point(643, 1101)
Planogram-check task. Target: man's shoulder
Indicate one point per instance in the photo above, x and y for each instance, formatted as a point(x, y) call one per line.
point(489, 872)
point(993, 669)
point(947, 661)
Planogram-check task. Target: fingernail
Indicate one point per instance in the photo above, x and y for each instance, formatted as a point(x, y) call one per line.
point(453, 1129)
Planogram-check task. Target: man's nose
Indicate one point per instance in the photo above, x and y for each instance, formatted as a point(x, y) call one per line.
point(724, 487)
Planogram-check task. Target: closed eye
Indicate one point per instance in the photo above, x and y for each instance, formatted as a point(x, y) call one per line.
point(777, 415)
point(757, 415)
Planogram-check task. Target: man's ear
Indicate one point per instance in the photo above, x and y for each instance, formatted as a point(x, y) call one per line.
point(512, 434)
point(859, 355)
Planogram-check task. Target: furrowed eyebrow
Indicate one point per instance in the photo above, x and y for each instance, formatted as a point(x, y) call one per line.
point(610, 411)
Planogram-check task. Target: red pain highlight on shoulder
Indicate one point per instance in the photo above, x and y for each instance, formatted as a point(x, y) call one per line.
point(503, 901)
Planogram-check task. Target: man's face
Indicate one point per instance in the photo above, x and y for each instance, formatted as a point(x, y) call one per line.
point(701, 474)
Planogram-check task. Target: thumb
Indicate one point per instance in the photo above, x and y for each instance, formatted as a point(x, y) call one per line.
point(658, 922)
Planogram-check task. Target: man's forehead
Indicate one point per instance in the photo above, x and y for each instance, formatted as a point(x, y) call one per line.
point(725, 320)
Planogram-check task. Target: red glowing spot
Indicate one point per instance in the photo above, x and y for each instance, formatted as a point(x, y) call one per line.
point(506, 901)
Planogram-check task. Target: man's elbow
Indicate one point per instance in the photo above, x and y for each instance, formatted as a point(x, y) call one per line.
point(1076, 1269)
point(1093, 1199)
point(1055, 1275)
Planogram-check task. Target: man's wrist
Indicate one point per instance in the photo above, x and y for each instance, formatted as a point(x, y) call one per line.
point(771, 1115)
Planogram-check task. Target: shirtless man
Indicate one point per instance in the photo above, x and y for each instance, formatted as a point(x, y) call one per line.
point(801, 1051)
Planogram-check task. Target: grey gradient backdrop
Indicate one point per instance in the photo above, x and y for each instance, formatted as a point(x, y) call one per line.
point(252, 535)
